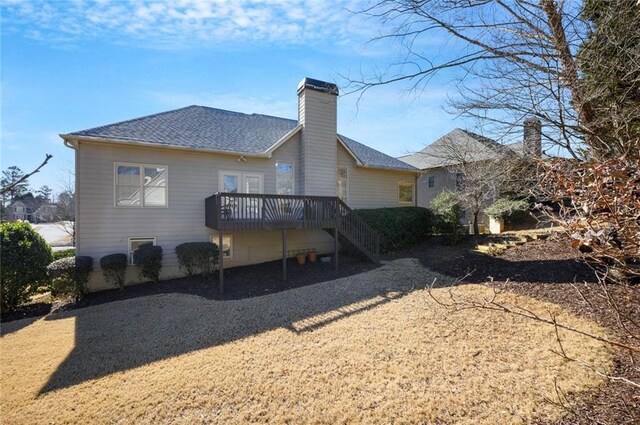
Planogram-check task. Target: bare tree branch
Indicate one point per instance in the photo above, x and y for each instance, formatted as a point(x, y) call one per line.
point(26, 176)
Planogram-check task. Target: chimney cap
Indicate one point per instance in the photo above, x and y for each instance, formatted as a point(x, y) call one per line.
point(323, 86)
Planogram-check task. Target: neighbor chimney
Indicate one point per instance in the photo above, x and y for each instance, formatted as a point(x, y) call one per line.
point(317, 112)
point(532, 138)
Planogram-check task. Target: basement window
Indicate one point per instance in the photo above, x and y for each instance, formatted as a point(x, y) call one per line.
point(227, 245)
point(135, 243)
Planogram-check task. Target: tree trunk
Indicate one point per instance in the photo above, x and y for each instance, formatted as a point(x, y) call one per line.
point(476, 229)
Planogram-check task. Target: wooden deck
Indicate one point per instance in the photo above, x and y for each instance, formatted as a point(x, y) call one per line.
point(234, 212)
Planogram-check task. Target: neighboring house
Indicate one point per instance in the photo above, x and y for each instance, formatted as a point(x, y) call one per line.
point(18, 210)
point(46, 213)
point(145, 181)
point(439, 159)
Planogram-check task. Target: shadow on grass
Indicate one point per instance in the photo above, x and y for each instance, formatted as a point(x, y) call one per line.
point(116, 336)
point(146, 326)
point(7, 328)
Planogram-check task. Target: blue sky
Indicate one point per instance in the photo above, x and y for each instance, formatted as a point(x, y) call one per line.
point(73, 65)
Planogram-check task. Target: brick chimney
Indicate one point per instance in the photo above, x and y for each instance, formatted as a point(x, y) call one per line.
point(532, 138)
point(317, 112)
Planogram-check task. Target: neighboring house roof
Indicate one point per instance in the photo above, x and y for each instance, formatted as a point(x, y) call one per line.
point(204, 128)
point(458, 145)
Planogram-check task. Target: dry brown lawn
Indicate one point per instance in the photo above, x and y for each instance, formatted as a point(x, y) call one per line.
point(395, 357)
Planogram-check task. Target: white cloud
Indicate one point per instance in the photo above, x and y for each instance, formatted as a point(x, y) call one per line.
point(173, 24)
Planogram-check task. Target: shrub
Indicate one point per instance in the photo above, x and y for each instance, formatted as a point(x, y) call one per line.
point(447, 211)
point(148, 258)
point(399, 227)
point(597, 204)
point(113, 268)
point(69, 276)
point(198, 256)
point(506, 207)
point(64, 254)
point(25, 256)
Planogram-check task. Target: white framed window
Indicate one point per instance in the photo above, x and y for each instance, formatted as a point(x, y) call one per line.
point(227, 245)
point(137, 242)
point(342, 183)
point(432, 181)
point(285, 178)
point(405, 192)
point(237, 182)
point(140, 185)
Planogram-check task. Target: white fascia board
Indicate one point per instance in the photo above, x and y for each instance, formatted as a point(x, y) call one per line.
point(283, 140)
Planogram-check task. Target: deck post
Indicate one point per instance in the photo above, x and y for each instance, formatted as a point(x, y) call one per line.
point(284, 255)
point(335, 246)
point(221, 259)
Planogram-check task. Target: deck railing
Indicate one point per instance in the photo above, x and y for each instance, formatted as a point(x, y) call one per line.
point(246, 211)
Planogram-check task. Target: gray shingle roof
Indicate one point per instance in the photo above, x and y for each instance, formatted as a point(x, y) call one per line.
point(373, 158)
point(201, 127)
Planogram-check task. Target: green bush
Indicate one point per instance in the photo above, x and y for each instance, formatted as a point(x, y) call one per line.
point(398, 227)
point(69, 276)
point(198, 256)
point(506, 206)
point(25, 256)
point(148, 258)
point(113, 268)
point(447, 215)
point(64, 254)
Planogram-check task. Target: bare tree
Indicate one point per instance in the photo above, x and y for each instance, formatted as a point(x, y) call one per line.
point(15, 178)
point(484, 170)
point(65, 214)
point(514, 60)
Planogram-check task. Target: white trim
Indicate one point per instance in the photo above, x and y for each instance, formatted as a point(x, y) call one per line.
point(346, 201)
point(293, 175)
point(241, 179)
point(222, 173)
point(141, 166)
point(129, 253)
point(413, 192)
point(344, 145)
point(215, 239)
point(244, 181)
point(282, 140)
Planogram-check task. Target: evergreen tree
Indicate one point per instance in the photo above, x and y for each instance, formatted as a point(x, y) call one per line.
point(610, 61)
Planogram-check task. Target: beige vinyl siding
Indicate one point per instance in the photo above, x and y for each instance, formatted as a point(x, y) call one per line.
point(443, 179)
point(105, 229)
point(372, 188)
point(317, 113)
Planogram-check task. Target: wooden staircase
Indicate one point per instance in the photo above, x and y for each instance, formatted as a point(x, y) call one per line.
point(358, 233)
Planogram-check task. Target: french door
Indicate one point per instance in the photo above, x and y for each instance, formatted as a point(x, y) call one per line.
point(238, 182)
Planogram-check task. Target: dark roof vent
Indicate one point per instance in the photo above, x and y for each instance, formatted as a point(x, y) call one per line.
point(310, 83)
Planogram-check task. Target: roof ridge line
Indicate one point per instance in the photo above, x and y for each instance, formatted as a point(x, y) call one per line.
point(157, 114)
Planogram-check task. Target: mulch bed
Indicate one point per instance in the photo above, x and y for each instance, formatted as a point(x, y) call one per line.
point(240, 282)
point(545, 269)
